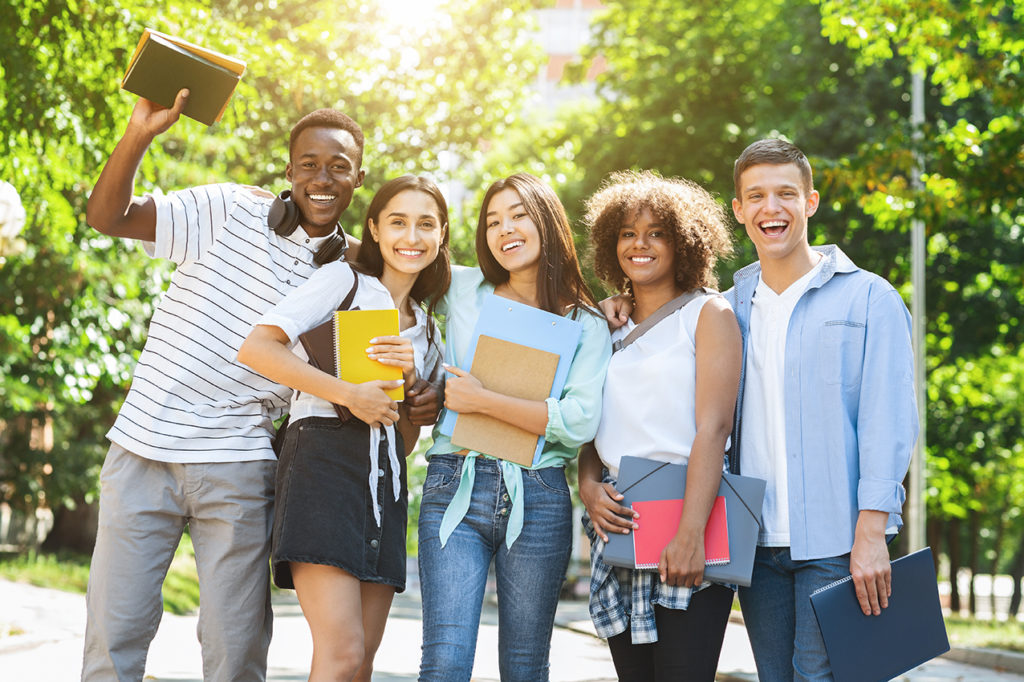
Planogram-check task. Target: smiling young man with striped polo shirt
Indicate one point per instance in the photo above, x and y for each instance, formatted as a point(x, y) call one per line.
point(192, 442)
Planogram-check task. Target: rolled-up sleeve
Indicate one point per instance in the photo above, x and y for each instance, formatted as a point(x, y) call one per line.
point(887, 423)
point(573, 418)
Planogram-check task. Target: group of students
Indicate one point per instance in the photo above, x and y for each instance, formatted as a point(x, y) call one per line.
point(817, 349)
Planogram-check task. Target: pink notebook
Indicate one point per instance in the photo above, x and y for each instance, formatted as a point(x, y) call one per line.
point(658, 523)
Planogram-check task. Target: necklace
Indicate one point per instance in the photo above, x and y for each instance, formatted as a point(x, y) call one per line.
point(508, 291)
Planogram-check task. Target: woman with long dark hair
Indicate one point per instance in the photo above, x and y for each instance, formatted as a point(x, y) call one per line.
point(339, 542)
point(477, 509)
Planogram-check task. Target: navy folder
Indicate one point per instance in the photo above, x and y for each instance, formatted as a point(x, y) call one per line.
point(646, 479)
point(905, 635)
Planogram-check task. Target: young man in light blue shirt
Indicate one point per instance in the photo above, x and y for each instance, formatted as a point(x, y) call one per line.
point(827, 413)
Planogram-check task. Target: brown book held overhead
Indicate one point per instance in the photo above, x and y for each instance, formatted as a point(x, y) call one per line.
point(514, 370)
point(162, 65)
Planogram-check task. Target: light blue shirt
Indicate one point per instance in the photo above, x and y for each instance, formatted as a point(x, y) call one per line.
point(851, 414)
point(572, 418)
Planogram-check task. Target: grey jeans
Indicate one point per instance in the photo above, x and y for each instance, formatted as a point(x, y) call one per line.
point(144, 506)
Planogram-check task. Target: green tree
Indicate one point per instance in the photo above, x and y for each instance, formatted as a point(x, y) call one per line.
point(688, 85)
point(972, 55)
point(76, 304)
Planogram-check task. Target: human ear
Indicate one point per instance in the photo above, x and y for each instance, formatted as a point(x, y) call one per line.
point(737, 210)
point(374, 230)
point(288, 172)
point(812, 202)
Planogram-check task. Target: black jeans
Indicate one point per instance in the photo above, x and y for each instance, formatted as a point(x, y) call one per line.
point(688, 646)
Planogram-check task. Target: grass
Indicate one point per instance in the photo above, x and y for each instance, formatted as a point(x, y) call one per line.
point(996, 634)
point(70, 572)
point(63, 571)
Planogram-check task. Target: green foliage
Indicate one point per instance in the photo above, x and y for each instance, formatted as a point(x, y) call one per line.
point(69, 571)
point(993, 634)
point(62, 570)
point(427, 88)
point(976, 440)
point(689, 85)
point(972, 200)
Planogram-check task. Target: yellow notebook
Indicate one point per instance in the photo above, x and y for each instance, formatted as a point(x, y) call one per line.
point(353, 330)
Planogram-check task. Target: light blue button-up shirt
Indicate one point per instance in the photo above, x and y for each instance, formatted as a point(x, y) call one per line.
point(851, 412)
point(572, 418)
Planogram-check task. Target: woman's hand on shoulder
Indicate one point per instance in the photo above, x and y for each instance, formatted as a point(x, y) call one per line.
point(606, 514)
point(616, 310)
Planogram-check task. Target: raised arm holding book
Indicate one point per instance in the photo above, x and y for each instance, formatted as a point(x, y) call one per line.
point(195, 414)
point(113, 209)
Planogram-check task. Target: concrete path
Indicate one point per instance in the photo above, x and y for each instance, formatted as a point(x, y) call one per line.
point(41, 634)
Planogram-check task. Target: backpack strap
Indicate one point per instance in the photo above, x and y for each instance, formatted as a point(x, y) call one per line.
point(347, 302)
point(660, 314)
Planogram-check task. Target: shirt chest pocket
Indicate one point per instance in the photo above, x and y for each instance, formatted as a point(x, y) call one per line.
point(842, 351)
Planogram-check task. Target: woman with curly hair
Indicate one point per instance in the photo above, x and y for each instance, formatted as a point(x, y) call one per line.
point(669, 396)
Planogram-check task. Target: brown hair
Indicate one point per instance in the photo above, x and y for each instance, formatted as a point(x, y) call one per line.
point(432, 282)
point(774, 152)
point(560, 282)
point(696, 222)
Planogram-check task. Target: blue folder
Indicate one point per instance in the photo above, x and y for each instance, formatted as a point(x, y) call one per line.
point(511, 321)
point(905, 635)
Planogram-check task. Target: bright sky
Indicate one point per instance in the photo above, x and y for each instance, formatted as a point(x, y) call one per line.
point(411, 12)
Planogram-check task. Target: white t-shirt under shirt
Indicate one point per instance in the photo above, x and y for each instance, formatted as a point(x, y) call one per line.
point(190, 399)
point(649, 401)
point(764, 402)
point(313, 303)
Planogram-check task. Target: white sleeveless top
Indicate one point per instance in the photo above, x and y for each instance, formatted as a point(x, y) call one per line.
point(650, 392)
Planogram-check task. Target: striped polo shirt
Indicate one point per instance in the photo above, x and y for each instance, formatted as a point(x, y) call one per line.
point(190, 400)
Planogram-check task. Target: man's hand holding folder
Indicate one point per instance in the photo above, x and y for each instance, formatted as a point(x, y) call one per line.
point(869, 562)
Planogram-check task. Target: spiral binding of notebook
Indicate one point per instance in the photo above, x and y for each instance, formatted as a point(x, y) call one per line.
point(337, 343)
point(833, 584)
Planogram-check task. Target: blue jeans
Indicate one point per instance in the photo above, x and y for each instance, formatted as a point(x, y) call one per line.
point(777, 611)
point(529, 575)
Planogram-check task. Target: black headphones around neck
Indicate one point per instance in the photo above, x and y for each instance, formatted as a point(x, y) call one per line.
point(284, 218)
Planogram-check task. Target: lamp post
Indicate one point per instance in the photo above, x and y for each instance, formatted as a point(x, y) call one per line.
point(915, 506)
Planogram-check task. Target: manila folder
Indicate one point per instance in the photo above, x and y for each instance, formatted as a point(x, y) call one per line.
point(514, 370)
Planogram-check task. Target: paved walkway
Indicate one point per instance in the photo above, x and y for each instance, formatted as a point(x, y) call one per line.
point(41, 633)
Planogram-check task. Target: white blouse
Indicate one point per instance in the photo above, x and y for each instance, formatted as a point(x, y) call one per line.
point(313, 303)
point(650, 392)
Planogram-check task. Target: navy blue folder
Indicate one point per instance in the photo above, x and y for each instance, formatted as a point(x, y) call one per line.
point(906, 634)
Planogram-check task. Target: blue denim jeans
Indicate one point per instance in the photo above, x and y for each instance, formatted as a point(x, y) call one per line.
point(777, 611)
point(529, 575)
